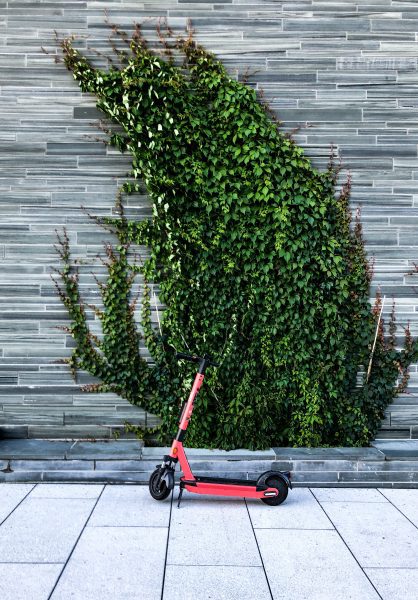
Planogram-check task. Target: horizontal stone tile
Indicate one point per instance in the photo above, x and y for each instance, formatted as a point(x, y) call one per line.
point(378, 476)
point(28, 580)
point(51, 465)
point(318, 561)
point(47, 420)
point(378, 25)
point(43, 530)
point(390, 465)
point(87, 476)
point(74, 490)
point(33, 449)
point(324, 25)
point(101, 418)
point(238, 582)
point(68, 431)
point(13, 431)
point(397, 450)
point(87, 112)
point(106, 556)
point(348, 495)
point(21, 477)
point(352, 454)
point(119, 450)
point(299, 511)
point(125, 465)
point(406, 501)
point(395, 584)
point(66, 148)
point(406, 417)
point(390, 434)
point(398, 538)
point(11, 496)
point(324, 465)
point(129, 506)
point(308, 478)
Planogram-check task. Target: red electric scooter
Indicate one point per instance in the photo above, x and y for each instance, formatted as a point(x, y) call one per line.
point(271, 487)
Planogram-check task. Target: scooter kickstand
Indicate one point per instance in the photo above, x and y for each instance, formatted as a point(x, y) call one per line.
point(179, 498)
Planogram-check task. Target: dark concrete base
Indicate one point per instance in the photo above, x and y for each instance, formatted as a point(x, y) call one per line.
point(386, 464)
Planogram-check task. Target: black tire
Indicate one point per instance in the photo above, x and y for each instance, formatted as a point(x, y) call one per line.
point(159, 491)
point(281, 487)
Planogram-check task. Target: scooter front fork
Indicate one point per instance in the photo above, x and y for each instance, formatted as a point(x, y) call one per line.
point(167, 469)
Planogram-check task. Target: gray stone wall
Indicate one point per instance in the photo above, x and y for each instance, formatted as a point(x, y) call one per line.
point(345, 71)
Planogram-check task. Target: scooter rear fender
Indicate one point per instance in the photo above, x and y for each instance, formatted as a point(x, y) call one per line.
point(284, 476)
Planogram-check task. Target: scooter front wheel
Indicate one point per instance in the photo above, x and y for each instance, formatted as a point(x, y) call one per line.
point(281, 487)
point(158, 487)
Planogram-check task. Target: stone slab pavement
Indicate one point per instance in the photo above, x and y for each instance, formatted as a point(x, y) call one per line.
point(99, 542)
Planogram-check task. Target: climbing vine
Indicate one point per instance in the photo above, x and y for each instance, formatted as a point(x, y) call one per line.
point(255, 256)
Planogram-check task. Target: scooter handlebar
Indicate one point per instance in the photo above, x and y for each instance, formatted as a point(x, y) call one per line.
point(196, 359)
point(188, 357)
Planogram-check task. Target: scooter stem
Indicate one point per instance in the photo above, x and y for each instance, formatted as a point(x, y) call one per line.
point(177, 451)
point(188, 409)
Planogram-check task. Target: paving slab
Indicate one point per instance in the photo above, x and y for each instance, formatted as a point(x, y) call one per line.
point(66, 490)
point(215, 583)
point(115, 562)
point(21, 477)
point(398, 477)
point(130, 506)
point(317, 565)
point(10, 496)
point(311, 478)
point(222, 532)
point(125, 465)
point(51, 465)
point(299, 511)
point(33, 448)
point(348, 495)
point(156, 453)
point(393, 464)
point(395, 584)
point(324, 465)
point(406, 501)
point(377, 533)
point(43, 529)
point(87, 476)
point(125, 449)
point(34, 582)
point(397, 449)
point(328, 454)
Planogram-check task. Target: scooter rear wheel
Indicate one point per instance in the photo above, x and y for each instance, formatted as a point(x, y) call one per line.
point(157, 487)
point(281, 487)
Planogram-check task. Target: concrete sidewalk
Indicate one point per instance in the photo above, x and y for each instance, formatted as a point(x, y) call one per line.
point(95, 542)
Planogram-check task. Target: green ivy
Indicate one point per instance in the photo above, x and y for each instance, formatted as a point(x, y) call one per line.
point(255, 257)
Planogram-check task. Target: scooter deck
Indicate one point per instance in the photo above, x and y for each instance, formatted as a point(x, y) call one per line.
point(220, 480)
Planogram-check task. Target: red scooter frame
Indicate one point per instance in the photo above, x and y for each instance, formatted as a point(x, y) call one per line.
point(271, 487)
